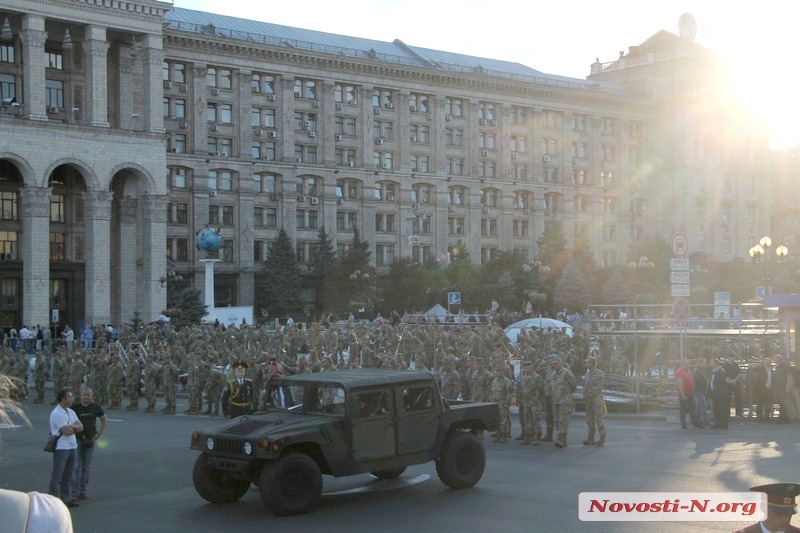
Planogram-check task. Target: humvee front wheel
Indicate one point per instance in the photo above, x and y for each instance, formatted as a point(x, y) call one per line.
point(391, 473)
point(462, 460)
point(213, 485)
point(291, 485)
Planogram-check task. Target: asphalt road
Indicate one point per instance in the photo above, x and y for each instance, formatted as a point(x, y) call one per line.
point(141, 479)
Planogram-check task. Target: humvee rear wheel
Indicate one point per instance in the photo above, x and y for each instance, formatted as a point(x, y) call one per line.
point(391, 473)
point(213, 485)
point(291, 485)
point(462, 460)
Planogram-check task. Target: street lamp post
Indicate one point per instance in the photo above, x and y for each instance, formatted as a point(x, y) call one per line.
point(759, 254)
point(642, 267)
point(534, 265)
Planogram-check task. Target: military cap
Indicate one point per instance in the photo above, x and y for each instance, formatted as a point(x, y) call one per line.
point(780, 496)
point(240, 364)
point(527, 363)
point(551, 358)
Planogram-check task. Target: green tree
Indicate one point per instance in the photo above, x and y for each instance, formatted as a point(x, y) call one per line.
point(553, 253)
point(323, 262)
point(190, 309)
point(616, 291)
point(279, 290)
point(353, 280)
point(403, 287)
point(572, 292)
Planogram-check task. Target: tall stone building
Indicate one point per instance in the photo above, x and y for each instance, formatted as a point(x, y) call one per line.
point(131, 125)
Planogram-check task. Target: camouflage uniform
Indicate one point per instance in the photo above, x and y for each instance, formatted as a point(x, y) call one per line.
point(450, 383)
point(532, 399)
point(77, 371)
point(169, 381)
point(116, 380)
point(98, 368)
point(134, 376)
point(593, 396)
point(20, 371)
point(152, 375)
point(562, 383)
point(213, 390)
point(60, 373)
point(201, 377)
point(40, 377)
point(502, 392)
point(481, 383)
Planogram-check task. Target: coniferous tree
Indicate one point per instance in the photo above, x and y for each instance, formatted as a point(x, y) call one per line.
point(190, 309)
point(616, 290)
point(323, 262)
point(572, 292)
point(279, 291)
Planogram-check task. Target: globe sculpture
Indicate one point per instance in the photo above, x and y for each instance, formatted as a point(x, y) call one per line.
point(208, 239)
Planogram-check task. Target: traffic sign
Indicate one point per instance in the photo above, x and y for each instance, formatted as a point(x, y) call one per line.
point(679, 263)
point(679, 276)
point(681, 310)
point(453, 298)
point(680, 290)
point(680, 246)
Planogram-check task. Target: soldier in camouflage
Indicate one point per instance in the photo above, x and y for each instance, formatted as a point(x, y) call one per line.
point(40, 376)
point(77, 371)
point(116, 380)
point(213, 390)
point(134, 375)
point(502, 393)
point(481, 382)
point(593, 396)
point(562, 384)
point(449, 380)
point(169, 380)
point(152, 375)
point(531, 396)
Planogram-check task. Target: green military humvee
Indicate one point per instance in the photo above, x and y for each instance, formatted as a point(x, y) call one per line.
point(340, 424)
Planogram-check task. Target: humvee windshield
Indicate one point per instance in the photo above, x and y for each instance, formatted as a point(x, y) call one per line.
point(314, 398)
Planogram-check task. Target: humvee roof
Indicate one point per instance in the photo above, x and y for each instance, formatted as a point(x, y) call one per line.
point(362, 377)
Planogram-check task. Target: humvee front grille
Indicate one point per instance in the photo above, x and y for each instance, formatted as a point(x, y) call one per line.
point(229, 447)
point(247, 427)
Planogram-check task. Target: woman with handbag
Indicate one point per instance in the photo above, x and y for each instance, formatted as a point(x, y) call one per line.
point(64, 422)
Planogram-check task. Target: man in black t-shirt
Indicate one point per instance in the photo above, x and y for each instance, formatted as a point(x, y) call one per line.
point(88, 413)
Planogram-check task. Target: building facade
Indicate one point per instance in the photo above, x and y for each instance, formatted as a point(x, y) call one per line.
point(132, 125)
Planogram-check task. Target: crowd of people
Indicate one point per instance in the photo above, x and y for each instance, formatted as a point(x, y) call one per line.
point(720, 384)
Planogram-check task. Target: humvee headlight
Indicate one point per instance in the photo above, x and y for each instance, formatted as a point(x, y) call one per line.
point(248, 448)
point(210, 443)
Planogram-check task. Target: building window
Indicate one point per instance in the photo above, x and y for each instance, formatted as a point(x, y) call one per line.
point(54, 93)
point(226, 250)
point(177, 177)
point(455, 225)
point(55, 59)
point(726, 244)
point(520, 228)
point(386, 191)
point(213, 215)
point(227, 215)
point(179, 143)
point(56, 208)
point(220, 180)
point(384, 254)
point(258, 251)
point(8, 203)
point(609, 232)
point(211, 77)
point(8, 245)
point(57, 247)
point(457, 195)
point(307, 186)
point(454, 107)
point(700, 210)
point(226, 113)
point(265, 183)
point(7, 54)
point(345, 157)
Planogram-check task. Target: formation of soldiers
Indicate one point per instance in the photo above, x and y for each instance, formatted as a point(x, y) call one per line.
point(474, 362)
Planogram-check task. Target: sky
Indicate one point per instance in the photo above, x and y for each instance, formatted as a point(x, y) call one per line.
point(761, 41)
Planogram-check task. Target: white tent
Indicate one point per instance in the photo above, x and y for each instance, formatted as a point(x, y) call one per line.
point(437, 311)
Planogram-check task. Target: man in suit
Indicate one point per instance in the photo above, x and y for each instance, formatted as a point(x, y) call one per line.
point(780, 508)
point(765, 386)
point(237, 398)
point(720, 394)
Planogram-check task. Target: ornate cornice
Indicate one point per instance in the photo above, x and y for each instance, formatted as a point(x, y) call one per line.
point(237, 52)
